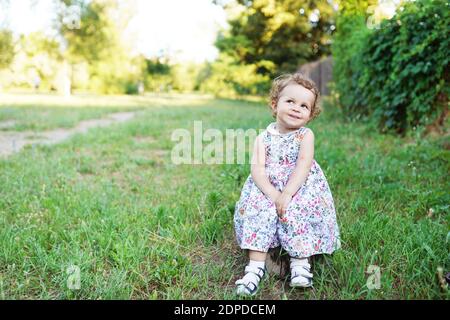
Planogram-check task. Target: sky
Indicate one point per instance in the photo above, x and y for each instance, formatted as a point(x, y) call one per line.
point(179, 25)
point(184, 29)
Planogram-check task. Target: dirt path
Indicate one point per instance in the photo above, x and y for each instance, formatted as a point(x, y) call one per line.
point(14, 141)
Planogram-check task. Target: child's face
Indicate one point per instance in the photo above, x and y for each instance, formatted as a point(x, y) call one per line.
point(293, 108)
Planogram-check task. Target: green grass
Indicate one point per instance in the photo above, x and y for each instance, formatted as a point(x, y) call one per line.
point(39, 112)
point(112, 203)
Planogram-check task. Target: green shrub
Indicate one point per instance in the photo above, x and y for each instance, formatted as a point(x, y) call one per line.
point(131, 88)
point(398, 73)
point(407, 75)
point(348, 65)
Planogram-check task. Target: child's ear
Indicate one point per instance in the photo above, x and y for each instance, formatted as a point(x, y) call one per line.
point(274, 106)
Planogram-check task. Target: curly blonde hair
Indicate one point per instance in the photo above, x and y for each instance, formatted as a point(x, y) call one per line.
point(284, 80)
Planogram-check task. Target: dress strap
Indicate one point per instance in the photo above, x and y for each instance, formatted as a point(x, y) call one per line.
point(303, 130)
point(301, 133)
point(265, 135)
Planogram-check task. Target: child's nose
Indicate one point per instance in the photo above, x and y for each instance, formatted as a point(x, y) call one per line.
point(296, 108)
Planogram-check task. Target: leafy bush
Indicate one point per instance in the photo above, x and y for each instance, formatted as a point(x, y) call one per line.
point(348, 65)
point(398, 73)
point(131, 88)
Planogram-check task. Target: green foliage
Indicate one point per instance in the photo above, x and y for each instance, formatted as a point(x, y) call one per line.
point(158, 74)
point(185, 76)
point(158, 83)
point(266, 38)
point(276, 31)
point(117, 73)
point(396, 74)
point(97, 42)
point(227, 78)
point(37, 58)
point(90, 40)
point(6, 48)
point(407, 66)
point(164, 76)
point(347, 61)
point(157, 66)
point(351, 8)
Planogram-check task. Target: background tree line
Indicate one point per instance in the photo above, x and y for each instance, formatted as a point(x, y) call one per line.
point(265, 38)
point(393, 72)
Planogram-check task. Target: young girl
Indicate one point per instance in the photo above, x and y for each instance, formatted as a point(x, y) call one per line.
point(286, 199)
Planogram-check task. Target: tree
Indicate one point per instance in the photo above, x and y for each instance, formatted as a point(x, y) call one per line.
point(6, 40)
point(37, 60)
point(83, 26)
point(6, 48)
point(277, 36)
point(91, 33)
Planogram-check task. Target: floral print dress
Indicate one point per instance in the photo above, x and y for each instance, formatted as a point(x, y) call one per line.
point(309, 225)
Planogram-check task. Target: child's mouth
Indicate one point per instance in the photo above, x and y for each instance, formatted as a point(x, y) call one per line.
point(294, 117)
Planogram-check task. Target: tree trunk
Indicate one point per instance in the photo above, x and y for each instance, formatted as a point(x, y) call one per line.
point(277, 262)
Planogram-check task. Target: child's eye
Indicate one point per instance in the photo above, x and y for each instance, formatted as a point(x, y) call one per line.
point(304, 105)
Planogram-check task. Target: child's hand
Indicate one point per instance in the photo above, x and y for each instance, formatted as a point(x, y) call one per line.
point(274, 196)
point(282, 203)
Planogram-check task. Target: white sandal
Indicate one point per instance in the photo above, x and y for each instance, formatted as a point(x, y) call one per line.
point(247, 286)
point(300, 275)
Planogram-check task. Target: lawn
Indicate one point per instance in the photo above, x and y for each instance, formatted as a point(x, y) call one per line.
point(111, 203)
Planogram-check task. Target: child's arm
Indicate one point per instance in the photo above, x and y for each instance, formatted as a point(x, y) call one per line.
point(258, 170)
point(301, 171)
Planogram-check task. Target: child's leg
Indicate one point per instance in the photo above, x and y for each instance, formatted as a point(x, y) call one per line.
point(257, 255)
point(254, 271)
